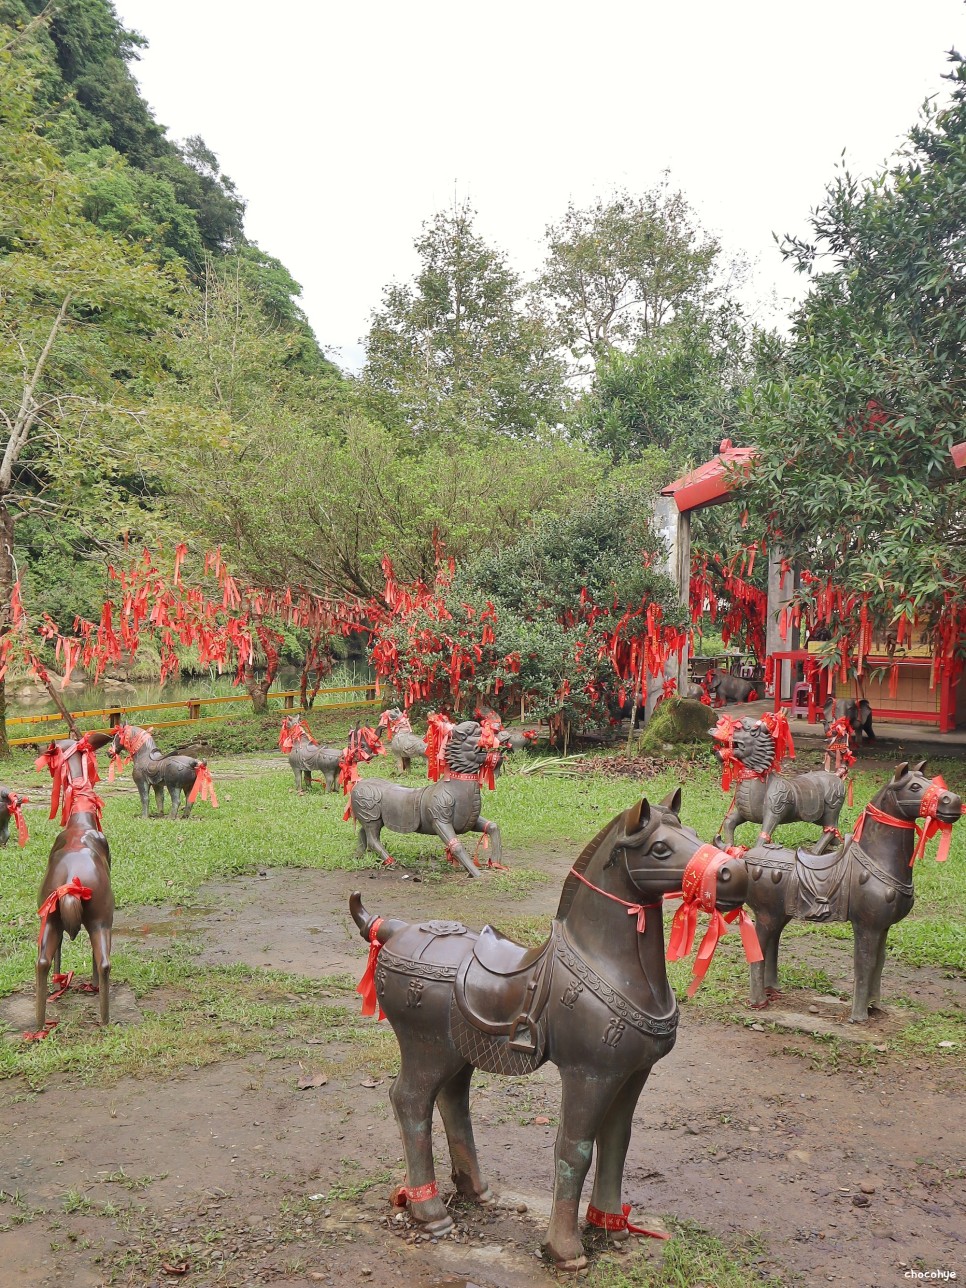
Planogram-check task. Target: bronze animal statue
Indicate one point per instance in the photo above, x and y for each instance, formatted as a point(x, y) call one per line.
point(593, 999)
point(403, 743)
point(76, 889)
point(305, 754)
point(868, 881)
point(461, 757)
point(751, 752)
point(858, 715)
point(178, 773)
point(11, 807)
point(725, 687)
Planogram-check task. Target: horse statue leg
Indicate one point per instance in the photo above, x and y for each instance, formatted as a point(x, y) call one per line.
point(583, 1106)
point(454, 846)
point(612, 1142)
point(328, 777)
point(764, 974)
point(144, 791)
point(175, 793)
point(875, 981)
point(369, 834)
point(101, 974)
point(490, 829)
point(413, 1095)
point(453, 1102)
point(869, 944)
point(725, 837)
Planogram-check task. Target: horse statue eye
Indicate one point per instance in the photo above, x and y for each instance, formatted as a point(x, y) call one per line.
point(660, 850)
point(916, 787)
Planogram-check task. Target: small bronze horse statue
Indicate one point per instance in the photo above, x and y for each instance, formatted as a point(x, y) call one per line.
point(868, 881)
point(593, 999)
point(859, 717)
point(763, 795)
point(445, 808)
point(76, 889)
point(175, 772)
point(305, 755)
point(11, 807)
point(403, 743)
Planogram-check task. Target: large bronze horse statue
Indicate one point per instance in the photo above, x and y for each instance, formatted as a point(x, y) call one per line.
point(593, 999)
point(868, 881)
point(403, 743)
point(445, 808)
point(176, 772)
point(764, 796)
point(305, 755)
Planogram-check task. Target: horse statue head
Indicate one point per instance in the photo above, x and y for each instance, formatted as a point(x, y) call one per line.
point(468, 748)
point(293, 730)
point(364, 743)
point(394, 720)
point(910, 795)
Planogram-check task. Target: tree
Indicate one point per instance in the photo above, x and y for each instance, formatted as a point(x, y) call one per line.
point(621, 269)
point(461, 350)
point(679, 389)
point(78, 314)
point(855, 428)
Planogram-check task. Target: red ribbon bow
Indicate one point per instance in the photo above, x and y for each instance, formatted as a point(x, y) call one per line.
point(698, 893)
point(203, 786)
point(74, 888)
point(619, 1221)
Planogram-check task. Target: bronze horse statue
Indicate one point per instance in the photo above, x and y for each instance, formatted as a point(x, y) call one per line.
point(76, 889)
point(868, 881)
point(755, 749)
point(305, 754)
point(176, 772)
point(403, 743)
point(465, 755)
point(593, 999)
point(11, 807)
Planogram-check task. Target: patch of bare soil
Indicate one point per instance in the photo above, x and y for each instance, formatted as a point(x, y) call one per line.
point(850, 1171)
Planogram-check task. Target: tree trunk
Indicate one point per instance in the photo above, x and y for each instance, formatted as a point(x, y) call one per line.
point(7, 579)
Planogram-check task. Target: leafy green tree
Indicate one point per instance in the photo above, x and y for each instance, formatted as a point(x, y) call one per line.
point(461, 350)
point(79, 311)
point(855, 429)
point(624, 267)
point(679, 390)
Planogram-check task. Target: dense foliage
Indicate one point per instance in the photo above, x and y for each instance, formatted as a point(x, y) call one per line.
point(855, 434)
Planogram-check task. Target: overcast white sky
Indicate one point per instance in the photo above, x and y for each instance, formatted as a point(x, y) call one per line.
point(345, 126)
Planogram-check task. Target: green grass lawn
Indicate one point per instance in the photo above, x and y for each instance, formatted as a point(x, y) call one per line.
point(261, 824)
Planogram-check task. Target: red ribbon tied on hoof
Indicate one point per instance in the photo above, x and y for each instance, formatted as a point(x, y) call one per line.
point(619, 1221)
point(698, 893)
point(366, 988)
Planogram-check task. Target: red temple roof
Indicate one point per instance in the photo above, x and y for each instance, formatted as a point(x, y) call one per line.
point(711, 483)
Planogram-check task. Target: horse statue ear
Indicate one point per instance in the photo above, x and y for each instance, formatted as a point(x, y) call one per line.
point(901, 771)
point(637, 817)
point(672, 801)
point(920, 767)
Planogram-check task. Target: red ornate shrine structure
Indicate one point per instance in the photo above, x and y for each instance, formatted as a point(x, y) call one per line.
point(903, 675)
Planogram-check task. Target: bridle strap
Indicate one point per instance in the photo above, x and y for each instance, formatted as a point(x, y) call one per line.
point(633, 909)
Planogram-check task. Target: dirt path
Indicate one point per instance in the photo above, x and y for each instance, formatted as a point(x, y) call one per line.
point(849, 1173)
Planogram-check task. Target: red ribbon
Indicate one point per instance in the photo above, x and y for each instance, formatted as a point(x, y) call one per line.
point(698, 892)
point(414, 1194)
point(619, 1221)
point(204, 786)
point(74, 888)
point(63, 984)
point(637, 910)
point(928, 806)
point(14, 805)
point(366, 988)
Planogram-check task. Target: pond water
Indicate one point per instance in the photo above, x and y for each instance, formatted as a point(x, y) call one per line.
point(27, 698)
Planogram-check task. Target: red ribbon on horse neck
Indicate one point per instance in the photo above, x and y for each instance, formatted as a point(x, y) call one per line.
point(699, 892)
point(78, 792)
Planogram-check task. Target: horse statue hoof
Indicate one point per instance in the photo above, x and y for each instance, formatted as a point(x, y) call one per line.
point(437, 1229)
point(570, 1265)
point(759, 1006)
